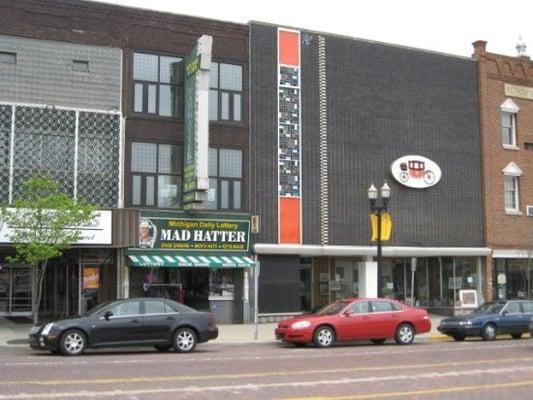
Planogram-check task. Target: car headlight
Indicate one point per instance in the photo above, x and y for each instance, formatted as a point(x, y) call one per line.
point(47, 328)
point(301, 325)
point(467, 322)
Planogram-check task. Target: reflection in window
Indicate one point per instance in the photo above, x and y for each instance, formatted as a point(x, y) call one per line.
point(225, 96)
point(225, 179)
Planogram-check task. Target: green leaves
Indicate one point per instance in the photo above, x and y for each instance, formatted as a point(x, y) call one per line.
point(44, 221)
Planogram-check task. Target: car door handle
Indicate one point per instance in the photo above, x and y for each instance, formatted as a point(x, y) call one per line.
point(135, 321)
point(169, 318)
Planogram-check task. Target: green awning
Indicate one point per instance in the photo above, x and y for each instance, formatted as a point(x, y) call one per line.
point(170, 261)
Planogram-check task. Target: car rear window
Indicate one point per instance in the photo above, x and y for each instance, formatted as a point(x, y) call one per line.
point(382, 306)
point(157, 307)
point(528, 307)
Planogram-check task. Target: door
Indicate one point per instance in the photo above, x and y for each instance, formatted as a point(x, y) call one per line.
point(158, 318)
point(356, 323)
point(5, 292)
point(124, 325)
point(512, 319)
point(385, 319)
point(15, 291)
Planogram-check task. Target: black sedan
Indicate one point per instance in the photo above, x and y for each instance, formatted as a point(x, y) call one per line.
point(511, 317)
point(133, 322)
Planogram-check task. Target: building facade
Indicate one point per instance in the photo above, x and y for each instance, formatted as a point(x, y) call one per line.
point(130, 64)
point(506, 108)
point(330, 116)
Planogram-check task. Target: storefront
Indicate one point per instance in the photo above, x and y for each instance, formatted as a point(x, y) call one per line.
point(512, 274)
point(200, 260)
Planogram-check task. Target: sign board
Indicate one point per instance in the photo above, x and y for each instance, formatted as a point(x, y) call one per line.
point(196, 130)
point(523, 92)
point(98, 231)
point(191, 234)
point(386, 226)
point(91, 278)
point(416, 172)
point(468, 298)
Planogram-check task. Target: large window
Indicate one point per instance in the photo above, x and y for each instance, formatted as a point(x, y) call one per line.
point(225, 179)
point(225, 94)
point(156, 175)
point(511, 193)
point(157, 85)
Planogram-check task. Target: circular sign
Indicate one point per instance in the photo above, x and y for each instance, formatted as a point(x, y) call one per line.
point(416, 172)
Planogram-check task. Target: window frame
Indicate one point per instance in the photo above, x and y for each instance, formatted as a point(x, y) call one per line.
point(144, 175)
point(230, 180)
point(512, 128)
point(515, 190)
point(158, 83)
point(9, 53)
point(231, 94)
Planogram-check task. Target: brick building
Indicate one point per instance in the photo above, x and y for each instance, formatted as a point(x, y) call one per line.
point(506, 115)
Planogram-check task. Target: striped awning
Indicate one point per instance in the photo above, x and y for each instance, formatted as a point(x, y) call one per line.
point(170, 261)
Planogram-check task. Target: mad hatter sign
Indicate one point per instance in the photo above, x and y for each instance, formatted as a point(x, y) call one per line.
point(416, 172)
point(188, 234)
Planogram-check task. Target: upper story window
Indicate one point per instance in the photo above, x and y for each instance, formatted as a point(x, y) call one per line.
point(225, 179)
point(225, 94)
point(80, 66)
point(156, 175)
point(158, 85)
point(508, 113)
point(512, 173)
point(8, 58)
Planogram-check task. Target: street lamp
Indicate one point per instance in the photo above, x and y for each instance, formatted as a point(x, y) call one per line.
point(378, 210)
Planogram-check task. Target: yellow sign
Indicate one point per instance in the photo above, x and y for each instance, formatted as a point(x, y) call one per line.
point(386, 226)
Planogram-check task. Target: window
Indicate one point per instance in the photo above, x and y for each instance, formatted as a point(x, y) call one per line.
point(528, 307)
point(508, 129)
point(511, 193)
point(8, 58)
point(361, 307)
point(80, 66)
point(225, 94)
point(126, 308)
point(382, 306)
point(513, 308)
point(158, 85)
point(156, 175)
point(157, 307)
point(509, 109)
point(225, 179)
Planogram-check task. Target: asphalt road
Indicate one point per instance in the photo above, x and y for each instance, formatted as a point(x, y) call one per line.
point(502, 369)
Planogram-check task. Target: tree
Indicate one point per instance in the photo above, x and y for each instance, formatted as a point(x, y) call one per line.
point(43, 222)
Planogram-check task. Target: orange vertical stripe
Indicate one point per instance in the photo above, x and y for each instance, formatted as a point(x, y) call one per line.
point(289, 220)
point(289, 48)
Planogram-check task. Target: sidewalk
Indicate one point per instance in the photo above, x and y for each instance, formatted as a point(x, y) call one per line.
point(12, 333)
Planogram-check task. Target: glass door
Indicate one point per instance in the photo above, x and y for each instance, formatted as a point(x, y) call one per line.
point(4, 290)
point(20, 290)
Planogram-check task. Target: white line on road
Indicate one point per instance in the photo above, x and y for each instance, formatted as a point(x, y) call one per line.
point(258, 386)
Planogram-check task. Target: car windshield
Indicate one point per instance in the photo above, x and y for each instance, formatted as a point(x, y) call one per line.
point(333, 308)
point(97, 309)
point(489, 308)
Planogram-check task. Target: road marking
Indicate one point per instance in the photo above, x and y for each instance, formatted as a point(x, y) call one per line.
point(345, 352)
point(173, 378)
point(420, 392)
point(256, 386)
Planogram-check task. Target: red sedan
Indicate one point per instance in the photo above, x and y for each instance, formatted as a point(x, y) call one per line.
point(354, 319)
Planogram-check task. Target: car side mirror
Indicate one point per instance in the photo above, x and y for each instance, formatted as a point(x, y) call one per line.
point(107, 315)
point(504, 313)
point(347, 313)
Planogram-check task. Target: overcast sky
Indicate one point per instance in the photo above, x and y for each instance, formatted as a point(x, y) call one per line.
point(448, 26)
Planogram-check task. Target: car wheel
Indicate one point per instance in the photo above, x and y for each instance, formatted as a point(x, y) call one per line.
point(378, 341)
point(324, 336)
point(405, 334)
point(458, 338)
point(162, 347)
point(488, 332)
point(72, 342)
point(516, 335)
point(185, 340)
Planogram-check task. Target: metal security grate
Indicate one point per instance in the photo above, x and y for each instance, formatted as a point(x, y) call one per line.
point(79, 149)
point(5, 141)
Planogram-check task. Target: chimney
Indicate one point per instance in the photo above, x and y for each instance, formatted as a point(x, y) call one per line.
point(480, 48)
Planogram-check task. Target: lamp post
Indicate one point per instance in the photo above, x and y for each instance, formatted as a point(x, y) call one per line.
point(378, 210)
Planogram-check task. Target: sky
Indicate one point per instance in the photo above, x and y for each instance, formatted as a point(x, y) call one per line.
point(448, 26)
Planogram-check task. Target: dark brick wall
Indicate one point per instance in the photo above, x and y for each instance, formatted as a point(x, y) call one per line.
point(130, 30)
point(384, 102)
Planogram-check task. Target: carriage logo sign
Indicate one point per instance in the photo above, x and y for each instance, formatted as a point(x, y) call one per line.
point(416, 172)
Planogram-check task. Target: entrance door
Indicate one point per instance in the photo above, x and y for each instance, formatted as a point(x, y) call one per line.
point(5, 292)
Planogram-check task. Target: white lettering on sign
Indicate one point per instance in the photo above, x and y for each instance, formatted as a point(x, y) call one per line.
point(416, 172)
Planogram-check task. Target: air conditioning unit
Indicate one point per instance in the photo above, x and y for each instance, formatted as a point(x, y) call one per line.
point(529, 211)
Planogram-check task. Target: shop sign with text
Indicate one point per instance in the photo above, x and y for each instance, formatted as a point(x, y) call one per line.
point(188, 234)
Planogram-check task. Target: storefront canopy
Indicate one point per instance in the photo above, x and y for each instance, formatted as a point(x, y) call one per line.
point(169, 260)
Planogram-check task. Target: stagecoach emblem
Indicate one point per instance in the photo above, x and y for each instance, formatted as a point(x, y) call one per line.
point(416, 171)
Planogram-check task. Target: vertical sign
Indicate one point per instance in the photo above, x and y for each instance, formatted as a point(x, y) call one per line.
point(289, 140)
point(196, 131)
